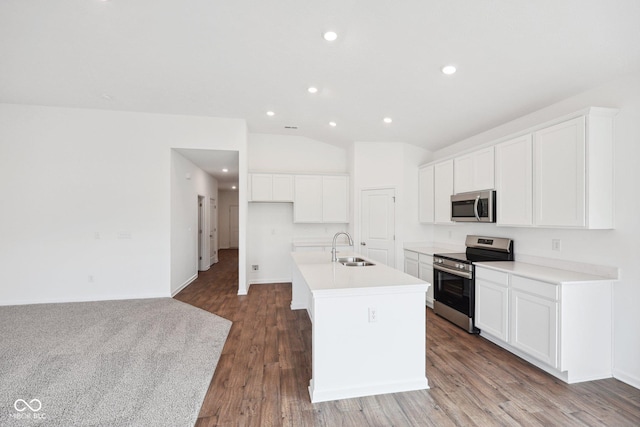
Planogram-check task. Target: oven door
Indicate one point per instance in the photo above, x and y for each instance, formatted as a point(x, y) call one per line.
point(453, 290)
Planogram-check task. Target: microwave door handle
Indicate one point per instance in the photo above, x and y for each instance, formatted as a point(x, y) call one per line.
point(475, 208)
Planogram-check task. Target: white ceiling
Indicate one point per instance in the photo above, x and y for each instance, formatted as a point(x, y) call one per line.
point(240, 58)
point(213, 162)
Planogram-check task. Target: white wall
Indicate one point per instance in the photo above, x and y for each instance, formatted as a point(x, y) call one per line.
point(619, 247)
point(86, 195)
point(188, 182)
point(390, 165)
point(270, 226)
point(226, 198)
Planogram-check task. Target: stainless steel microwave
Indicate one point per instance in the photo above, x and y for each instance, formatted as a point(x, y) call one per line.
point(477, 206)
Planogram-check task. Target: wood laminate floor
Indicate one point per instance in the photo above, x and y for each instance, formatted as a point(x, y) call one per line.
point(265, 367)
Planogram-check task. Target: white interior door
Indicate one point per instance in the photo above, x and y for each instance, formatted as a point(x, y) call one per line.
point(234, 229)
point(377, 225)
point(213, 232)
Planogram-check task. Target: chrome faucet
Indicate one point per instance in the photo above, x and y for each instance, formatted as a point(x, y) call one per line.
point(334, 257)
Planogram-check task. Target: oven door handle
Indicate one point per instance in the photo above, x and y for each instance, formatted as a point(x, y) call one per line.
point(475, 208)
point(466, 275)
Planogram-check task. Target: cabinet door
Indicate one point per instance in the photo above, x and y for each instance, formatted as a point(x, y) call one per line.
point(534, 326)
point(426, 194)
point(443, 189)
point(261, 187)
point(283, 188)
point(411, 267)
point(474, 171)
point(514, 182)
point(559, 173)
point(492, 308)
point(307, 200)
point(463, 174)
point(483, 169)
point(335, 199)
point(426, 274)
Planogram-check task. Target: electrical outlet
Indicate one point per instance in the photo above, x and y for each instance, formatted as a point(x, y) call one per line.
point(556, 244)
point(373, 315)
point(255, 267)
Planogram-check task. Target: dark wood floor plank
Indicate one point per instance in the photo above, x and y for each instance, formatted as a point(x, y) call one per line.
point(264, 371)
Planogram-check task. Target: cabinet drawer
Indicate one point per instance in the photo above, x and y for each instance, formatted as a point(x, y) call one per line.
point(542, 289)
point(492, 276)
point(425, 259)
point(411, 255)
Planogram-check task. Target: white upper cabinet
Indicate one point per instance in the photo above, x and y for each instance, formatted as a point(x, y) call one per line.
point(261, 187)
point(560, 174)
point(282, 188)
point(321, 199)
point(474, 171)
point(307, 203)
point(573, 172)
point(426, 194)
point(514, 182)
point(443, 189)
point(335, 199)
point(266, 187)
point(555, 175)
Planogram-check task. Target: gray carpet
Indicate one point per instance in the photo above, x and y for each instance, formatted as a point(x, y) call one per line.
point(113, 363)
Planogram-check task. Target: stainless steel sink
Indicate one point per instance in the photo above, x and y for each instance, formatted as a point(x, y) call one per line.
point(358, 264)
point(352, 261)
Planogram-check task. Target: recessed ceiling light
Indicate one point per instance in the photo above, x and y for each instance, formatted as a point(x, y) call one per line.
point(233, 187)
point(387, 120)
point(313, 89)
point(448, 69)
point(333, 124)
point(330, 36)
point(270, 113)
point(225, 170)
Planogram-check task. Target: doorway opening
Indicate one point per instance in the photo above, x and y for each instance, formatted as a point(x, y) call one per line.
point(211, 179)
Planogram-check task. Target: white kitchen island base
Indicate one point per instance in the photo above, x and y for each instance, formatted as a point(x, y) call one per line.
point(369, 330)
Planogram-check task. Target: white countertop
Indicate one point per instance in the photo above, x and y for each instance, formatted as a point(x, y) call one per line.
point(427, 250)
point(321, 274)
point(542, 273)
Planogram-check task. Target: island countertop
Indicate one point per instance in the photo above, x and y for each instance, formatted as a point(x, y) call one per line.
point(323, 275)
point(368, 326)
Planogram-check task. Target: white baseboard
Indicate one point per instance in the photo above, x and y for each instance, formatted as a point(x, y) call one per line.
point(184, 285)
point(270, 281)
point(365, 390)
point(84, 299)
point(625, 377)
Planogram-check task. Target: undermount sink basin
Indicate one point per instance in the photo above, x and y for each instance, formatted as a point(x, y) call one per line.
point(352, 261)
point(358, 264)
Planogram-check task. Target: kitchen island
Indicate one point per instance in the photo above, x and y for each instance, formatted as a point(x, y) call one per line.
point(368, 327)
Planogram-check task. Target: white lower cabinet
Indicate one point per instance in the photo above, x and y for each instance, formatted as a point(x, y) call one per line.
point(534, 318)
point(425, 272)
point(534, 326)
point(411, 265)
point(421, 266)
point(492, 303)
point(563, 328)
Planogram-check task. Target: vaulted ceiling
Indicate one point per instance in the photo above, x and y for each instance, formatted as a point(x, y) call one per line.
point(242, 58)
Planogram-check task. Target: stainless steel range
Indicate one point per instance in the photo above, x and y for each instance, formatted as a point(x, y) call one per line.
point(454, 278)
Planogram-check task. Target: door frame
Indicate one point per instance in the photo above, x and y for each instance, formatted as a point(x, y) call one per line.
point(230, 231)
point(358, 218)
point(213, 231)
point(202, 253)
